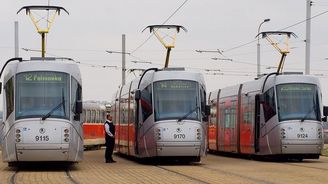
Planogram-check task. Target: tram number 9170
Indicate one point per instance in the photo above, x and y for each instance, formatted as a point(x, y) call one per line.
point(41, 138)
point(302, 136)
point(179, 136)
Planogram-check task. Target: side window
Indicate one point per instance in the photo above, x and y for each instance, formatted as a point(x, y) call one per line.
point(146, 102)
point(202, 100)
point(76, 93)
point(269, 105)
point(227, 118)
point(213, 112)
point(9, 88)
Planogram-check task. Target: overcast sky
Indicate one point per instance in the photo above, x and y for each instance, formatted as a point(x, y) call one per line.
point(95, 26)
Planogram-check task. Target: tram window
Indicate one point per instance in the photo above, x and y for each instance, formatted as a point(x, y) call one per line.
point(9, 88)
point(269, 105)
point(76, 96)
point(146, 102)
point(213, 113)
point(226, 118)
point(40, 92)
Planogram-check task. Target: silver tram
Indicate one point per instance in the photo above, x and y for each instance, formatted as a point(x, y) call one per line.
point(276, 115)
point(42, 106)
point(163, 114)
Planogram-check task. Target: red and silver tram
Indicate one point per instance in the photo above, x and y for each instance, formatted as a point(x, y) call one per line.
point(162, 114)
point(275, 115)
point(94, 115)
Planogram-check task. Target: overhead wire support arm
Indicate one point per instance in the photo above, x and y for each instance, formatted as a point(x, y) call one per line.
point(155, 29)
point(272, 38)
point(43, 31)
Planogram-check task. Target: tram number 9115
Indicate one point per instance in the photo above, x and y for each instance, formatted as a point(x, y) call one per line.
point(41, 138)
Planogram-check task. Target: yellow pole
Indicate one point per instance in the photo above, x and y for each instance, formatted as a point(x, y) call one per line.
point(43, 50)
point(167, 57)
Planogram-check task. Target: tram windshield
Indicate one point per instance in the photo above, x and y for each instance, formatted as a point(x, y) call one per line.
point(39, 93)
point(298, 101)
point(173, 99)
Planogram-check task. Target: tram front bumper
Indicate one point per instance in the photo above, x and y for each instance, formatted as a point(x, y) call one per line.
point(42, 152)
point(179, 149)
point(301, 147)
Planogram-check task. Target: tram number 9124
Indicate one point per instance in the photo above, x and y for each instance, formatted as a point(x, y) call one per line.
point(41, 138)
point(302, 136)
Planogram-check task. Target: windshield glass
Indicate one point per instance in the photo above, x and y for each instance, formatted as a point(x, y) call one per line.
point(38, 93)
point(298, 101)
point(174, 99)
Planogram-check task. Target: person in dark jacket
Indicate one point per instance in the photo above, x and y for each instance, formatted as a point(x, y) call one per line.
point(110, 138)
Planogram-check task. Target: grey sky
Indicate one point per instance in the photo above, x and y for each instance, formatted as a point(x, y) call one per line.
point(95, 26)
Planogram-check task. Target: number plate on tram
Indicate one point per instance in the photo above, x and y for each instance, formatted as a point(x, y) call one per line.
point(42, 138)
point(179, 136)
point(302, 136)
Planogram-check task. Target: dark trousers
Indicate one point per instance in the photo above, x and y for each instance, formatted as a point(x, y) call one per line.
point(110, 142)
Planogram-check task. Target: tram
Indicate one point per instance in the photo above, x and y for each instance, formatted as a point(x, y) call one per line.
point(278, 115)
point(42, 104)
point(94, 116)
point(162, 114)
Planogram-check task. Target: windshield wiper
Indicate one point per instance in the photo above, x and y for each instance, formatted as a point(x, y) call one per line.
point(185, 116)
point(62, 103)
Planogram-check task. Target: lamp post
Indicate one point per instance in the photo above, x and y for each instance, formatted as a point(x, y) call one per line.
point(259, 49)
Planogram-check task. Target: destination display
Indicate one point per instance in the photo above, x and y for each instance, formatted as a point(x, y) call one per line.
point(296, 87)
point(42, 77)
point(176, 84)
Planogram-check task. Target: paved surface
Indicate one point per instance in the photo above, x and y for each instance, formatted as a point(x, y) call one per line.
point(212, 169)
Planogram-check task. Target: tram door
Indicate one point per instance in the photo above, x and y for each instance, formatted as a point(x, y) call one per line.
point(228, 122)
point(213, 129)
point(247, 124)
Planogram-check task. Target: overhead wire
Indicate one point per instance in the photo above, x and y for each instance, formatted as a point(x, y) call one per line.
point(293, 25)
point(151, 35)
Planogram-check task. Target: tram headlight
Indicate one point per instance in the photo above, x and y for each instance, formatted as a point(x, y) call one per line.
point(66, 139)
point(66, 135)
point(199, 135)
point(66, 131)
point(18, 135)
point(283, 133)
point(319, 134)
point(158, 133)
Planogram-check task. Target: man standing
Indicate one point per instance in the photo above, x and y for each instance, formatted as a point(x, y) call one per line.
point(110, 138)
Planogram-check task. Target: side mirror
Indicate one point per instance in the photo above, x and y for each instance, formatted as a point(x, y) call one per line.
point(324, 119)
point(325, 110)
point(0, 87)
point(207, 110)
point(78, 107)
point(137, 95)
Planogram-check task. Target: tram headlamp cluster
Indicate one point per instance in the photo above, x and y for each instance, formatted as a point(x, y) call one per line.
point(283, 133)
point(66, 135)
point(199, 135)
point(18, 135)
point(319, 133)
point(158, 133)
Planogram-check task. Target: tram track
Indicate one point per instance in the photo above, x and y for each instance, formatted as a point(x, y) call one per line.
point(251, 179)
point(12, 178)
point(184, 175)
point(304, 166)
point(237, 175)
point(70, 178)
